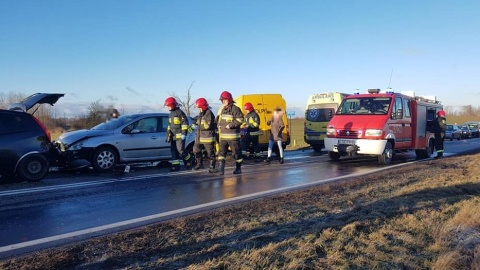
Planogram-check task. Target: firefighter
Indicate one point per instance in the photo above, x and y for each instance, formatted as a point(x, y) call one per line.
point(230, 119)
point(205, 137)
point(176, 134)
point(439, 126)
point(251, 130)
point(276, 137)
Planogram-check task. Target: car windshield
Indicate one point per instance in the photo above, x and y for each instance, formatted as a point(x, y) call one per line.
point(114, 123)
point(449, 127)
point(365, 105)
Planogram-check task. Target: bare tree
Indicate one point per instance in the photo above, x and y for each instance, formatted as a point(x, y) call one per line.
point(187, 102)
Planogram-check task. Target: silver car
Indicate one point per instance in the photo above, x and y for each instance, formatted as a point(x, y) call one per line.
point(127, 139)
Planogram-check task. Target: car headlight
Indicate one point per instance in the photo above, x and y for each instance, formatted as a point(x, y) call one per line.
point(373, 132)
point(330, 131)
point(76, 146)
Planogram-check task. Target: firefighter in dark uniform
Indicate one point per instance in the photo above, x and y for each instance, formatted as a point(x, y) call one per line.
point(439, 125)
point(176, 134)
point(205, 137)
point(230, 120)
point(251, 129)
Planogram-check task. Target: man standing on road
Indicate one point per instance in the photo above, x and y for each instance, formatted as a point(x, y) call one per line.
point(176, 134)
point(230, 119)
point(205, 137)
point(439, 125)
point(251, 128)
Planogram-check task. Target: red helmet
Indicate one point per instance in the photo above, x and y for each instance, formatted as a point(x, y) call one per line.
point(441, 113)
point(248, 106)
point(201, 103)
point(226, 95)
point(171, 102)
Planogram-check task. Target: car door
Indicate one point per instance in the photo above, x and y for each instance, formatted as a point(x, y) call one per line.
point(143, 139)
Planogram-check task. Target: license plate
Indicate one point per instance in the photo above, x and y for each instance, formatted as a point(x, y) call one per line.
point(351, 142)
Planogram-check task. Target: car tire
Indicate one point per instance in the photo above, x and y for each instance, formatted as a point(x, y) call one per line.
point(335, 156)
point(104, 159)
point(33, 168)
point(386, 157)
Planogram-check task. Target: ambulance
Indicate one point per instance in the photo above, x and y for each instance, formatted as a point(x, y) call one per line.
point(320, 109)
point(381, 124)
point(264, 105)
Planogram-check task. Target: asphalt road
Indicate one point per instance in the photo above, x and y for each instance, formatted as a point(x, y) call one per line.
point(71, 206)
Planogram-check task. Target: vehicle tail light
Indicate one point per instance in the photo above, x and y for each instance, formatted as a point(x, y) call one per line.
point(43, 128)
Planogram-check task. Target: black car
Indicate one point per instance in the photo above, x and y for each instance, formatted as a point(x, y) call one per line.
point(466, 132)
point(26, 149)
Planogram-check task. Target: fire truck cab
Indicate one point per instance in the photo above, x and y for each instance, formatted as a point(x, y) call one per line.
point(380, 124)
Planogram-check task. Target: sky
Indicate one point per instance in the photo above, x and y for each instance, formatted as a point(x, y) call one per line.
point(134, 54)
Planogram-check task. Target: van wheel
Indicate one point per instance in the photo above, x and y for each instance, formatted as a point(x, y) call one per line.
point(335, 156)
point(317, 148)
point(104, 159)
point(386, 157)
point(33, 168)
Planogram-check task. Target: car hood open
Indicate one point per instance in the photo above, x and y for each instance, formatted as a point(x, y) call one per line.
point(38, 98)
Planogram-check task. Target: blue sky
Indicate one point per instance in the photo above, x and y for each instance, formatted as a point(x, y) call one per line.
point(133, 54)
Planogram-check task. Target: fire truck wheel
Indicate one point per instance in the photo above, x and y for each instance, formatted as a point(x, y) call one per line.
point(334, 155)
point(386, 157)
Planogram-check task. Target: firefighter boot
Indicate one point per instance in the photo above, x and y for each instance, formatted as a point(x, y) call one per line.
point(221, 169)
point(238, 168)
point(175, 168)
point(439, 155)
point(199, 164)
point(212, 166)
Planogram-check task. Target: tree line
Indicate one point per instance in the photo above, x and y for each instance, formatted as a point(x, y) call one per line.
point(98, 113)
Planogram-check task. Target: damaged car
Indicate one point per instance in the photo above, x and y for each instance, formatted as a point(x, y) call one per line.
point(26, 149)
point(127, 139)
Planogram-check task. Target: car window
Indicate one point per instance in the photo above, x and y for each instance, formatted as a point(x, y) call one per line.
point(147, 125)
point(164, 124)
point(17, 122)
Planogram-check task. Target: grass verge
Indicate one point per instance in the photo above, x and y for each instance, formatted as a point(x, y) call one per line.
point(420, 216)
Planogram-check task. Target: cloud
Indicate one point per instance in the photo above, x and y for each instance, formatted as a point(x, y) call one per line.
point(133, 91)
point(112, 98)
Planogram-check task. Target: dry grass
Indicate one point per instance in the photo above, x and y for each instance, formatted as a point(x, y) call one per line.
point(421, 216)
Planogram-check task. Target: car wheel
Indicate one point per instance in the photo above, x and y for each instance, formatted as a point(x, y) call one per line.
point(386, 157)
point(104, 159)
point(335, 156)
point(33, 168)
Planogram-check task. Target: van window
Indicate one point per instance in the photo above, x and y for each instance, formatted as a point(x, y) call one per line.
point(398, 106)
point(320, 112)
point(406, 110)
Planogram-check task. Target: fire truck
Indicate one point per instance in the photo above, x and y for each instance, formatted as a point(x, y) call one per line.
point(381, 124)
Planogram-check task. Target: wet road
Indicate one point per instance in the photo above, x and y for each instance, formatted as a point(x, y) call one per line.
point(95, 204)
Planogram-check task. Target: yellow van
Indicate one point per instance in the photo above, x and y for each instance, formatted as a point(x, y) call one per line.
point(264, 105)
point(320, 109)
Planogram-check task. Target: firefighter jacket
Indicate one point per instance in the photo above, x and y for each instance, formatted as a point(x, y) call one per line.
point(253, 121)
point(177, 123)
point(206, 127)
point(232, 116)
point(439, 124)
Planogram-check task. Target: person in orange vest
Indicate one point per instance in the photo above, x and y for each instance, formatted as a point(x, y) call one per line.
point(177, 132)
point(230, 119)
point(251, 130)
point(205, 136)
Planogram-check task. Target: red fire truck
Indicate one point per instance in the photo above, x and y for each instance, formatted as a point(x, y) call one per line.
point(380, 124)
